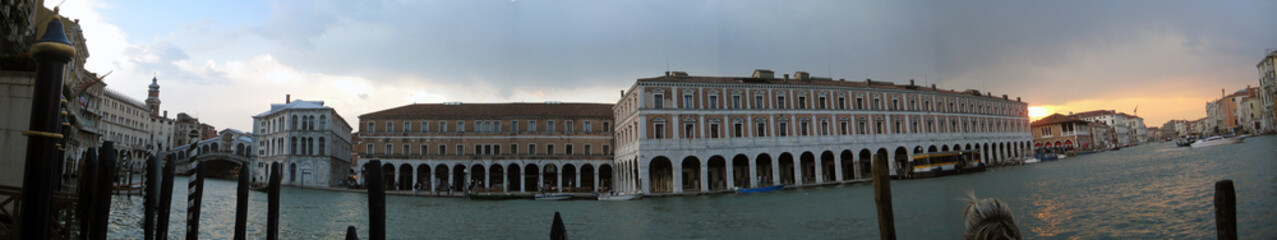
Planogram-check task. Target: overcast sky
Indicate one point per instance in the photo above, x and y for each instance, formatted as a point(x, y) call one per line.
point(224, 61)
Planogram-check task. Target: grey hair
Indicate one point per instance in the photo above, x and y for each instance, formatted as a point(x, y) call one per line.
point(989, 219)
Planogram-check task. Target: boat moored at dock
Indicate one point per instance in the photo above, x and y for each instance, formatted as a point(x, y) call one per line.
point(945, 163)
point(620, 196)
point(760, 189)
point(553, 196)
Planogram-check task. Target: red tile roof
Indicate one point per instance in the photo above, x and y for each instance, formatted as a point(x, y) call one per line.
point(488, 110)
point(813, 81)
point(1055, 119)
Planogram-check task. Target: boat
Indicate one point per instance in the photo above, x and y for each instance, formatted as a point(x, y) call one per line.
point(944, 163)
point(1215, 141)
point(760, 189)
point(620, 197)
point(553, 196)
point(1032, 161)
point(490, 196)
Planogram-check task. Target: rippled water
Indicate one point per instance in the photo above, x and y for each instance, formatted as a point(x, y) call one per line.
point(1154, 191)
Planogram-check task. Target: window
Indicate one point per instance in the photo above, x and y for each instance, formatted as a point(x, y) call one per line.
point(895, 104)
point(514, 126)
point(532, 126)
point(896, 127)
point(802, 128)
point(658, 130)
point(607, 127)
point(424, 149)
point(549, 149)
point(496, 126)
point(532, 149)
point(443, 126)
point(878, 126)
point(443, 149)
point(587, 150)
point(877, 104)
point(390, 126)
point(713, 130)
point(687, 101)
point(736, 102)
point(425, 126)
point(780, 102)
point(782, 129)
point(687, 130)
point(658, 101)
point(570, 126)
point(842, 127)
point(1046, 131)
point(461, 126)
point(713, 101)
point(913, 125)
point(461, 149)
point(860, 127)
point(605, 149)
point(824, 128)
point(372, 126)
point(514, 148)
point(549, 126)
point(842, 103)
point(406, 150)
point(407, 126)
point(368, 149)
point(588, 126)
point(390, 148)
point(737, 129)
point(760, 130)
point(567, 149)
point(860, 103)
point(496, 149)
point(479, 149)
point(821, 104)
point(758, 101)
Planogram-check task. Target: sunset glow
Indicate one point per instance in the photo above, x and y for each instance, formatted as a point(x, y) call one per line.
point(1038, 112)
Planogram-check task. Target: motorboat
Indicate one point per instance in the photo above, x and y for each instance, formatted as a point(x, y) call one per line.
point(620, 197)
point(1215, 141)
point(1032, 161)
point(760, 189)
point(553, 196)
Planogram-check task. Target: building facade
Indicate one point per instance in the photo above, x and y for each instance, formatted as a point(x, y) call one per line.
point(491, 147)
point(310, 140)
point(126, 122)
point(681, 134)
point(1062, 134)
point(1268, 91)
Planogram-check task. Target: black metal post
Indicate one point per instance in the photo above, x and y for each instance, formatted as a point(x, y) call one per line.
point(102, 199)
point(272, 201)
point(84, 188)
point(194, 197)
point(241, 202)
point(376, 202)
point(51, 53)
point(150, 197)
point(1225, 211)
point(166, 197)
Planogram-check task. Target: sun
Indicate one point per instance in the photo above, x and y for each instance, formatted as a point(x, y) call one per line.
point(1036, 113)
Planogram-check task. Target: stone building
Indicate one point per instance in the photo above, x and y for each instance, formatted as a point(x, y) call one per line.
point(311, 141)
point(1268, 91)
point(1061, 134)
point(681, 134)
point(491, 147)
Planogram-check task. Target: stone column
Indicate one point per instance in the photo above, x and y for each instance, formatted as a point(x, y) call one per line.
point(645, 185)
point(838, 169)
point(753, 175)
point(775, 171)
point(596, 178)
point(677, 185)
point(576, 182)
point(505, 181)
point(704, 177)
point(731, 175)
point(558, 178)
point(798, 171)
point(820, 175)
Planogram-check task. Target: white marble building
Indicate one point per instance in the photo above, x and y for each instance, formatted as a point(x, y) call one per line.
point(311, 141)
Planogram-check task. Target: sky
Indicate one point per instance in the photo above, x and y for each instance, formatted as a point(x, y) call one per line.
point(225, 61)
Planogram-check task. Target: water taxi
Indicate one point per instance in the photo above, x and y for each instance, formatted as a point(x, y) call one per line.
point(945, 163)
point(1215, 141)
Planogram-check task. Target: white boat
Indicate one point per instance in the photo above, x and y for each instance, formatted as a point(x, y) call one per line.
point(1032, 161)
point(1215, 141)
point(553, 196)
point(620, 197)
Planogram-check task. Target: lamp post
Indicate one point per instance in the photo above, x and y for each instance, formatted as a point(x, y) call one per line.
point(51, 52)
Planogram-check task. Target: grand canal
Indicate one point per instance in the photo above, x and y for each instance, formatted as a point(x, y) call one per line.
point(1153, 191)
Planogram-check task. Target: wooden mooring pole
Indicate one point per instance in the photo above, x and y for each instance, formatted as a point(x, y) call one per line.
point(376, 201)
point(102, 199)
point(84, 190)
point(1225, 210)
point(150, 197)
point(557, 230)
point(166, 197)
point(194, 197)
point(882, 198)
point(241, 202)
point(272, 201)
point(51, 52)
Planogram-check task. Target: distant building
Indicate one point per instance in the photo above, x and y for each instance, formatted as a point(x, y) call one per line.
point(310, 140)
point(1059, 133)
point(1268, 92)
point(1235, 113)
point(1128, 130)
point(491, 147)
point(1155, 134)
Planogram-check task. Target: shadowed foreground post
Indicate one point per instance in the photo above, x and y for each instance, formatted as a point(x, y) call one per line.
point(85, 189)
point(272, 201)
point(150, 197)
point(194, 197)
point(102, 199)
point(51, 52)
point(1225, 210)
point(376, 201)
point(351, 234)
point(241, 202)
point(557, 231)
point(166, 197)
point(882, 197)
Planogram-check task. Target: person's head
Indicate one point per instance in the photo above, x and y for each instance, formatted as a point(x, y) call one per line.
point(989, 219)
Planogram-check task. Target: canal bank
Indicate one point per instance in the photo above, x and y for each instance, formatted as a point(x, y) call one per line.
point(1154, 191)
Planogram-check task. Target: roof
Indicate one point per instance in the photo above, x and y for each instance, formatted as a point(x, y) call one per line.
point(1056, 119)
point(1094, 113)
point(812, 81)
point(600, 110)
point(111, 93)
point(295, 104)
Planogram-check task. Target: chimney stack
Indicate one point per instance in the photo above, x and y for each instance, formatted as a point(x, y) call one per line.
point(288, 98)
point(910, 82)
point(786, 77)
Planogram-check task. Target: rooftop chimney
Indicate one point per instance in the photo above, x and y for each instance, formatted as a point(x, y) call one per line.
point(801, 75)
point(910, 82)
point(288, 98)
point(763, 73)
point(786, 77)
point(933, 87)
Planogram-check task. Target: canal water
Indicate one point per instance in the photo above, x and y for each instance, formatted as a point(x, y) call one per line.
point(1153, 191)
